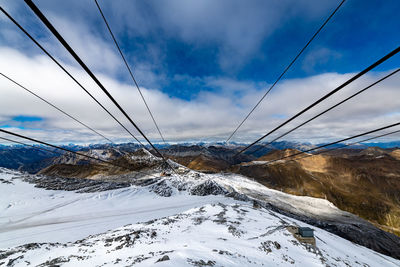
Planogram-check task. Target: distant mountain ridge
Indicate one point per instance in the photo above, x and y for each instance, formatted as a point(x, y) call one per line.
point(33, 159)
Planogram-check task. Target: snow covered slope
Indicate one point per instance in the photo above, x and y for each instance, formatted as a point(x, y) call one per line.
point(212, 235)
point(29, 214)
point(173, 221)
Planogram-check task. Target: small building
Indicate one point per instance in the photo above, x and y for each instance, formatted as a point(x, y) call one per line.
point(306, 232)
point(303, 234)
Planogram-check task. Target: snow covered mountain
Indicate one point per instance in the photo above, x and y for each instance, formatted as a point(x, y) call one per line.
point(190, 219)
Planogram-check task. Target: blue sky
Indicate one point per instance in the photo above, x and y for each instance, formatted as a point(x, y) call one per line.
point(198, 52)
point(21, 122)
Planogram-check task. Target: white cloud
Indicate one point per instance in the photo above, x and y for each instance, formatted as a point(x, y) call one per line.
point(98, 53)
point(238, 28)
point(210, 115)
point(318, 58)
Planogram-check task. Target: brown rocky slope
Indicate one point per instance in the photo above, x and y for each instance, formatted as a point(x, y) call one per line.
point(365, 183)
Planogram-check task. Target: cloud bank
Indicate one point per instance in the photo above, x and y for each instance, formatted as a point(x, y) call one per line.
point(211, 116)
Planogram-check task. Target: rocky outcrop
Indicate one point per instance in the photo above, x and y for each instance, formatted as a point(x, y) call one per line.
point(208, 188)
point(72, 184)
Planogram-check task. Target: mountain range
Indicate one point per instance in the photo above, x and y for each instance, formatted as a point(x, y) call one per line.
point(351, 192)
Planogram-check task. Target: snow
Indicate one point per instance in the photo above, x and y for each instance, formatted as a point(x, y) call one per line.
point(144, 155)
point(244, 185)
point(249, 237)
point(255, 162)
point(134, 225)
point(309, 205)
point(29, 214)
point(99, 153)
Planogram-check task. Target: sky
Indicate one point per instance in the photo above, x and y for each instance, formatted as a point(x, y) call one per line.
point(202, 66)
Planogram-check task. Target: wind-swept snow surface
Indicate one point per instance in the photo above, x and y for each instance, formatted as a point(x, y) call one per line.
point(30, 214)
point(140, 225)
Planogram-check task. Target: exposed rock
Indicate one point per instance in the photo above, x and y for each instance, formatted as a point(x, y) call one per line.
point(208, 188)
point(164, 258)
point(162, 189)
point(238, 196)
point(72, 184)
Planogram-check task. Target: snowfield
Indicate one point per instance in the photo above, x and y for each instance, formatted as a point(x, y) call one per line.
point(29, 214)
point(183, 220)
